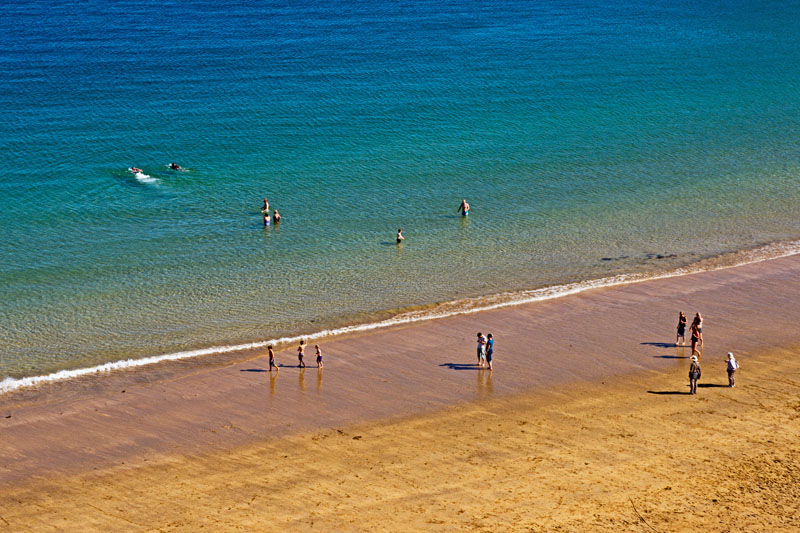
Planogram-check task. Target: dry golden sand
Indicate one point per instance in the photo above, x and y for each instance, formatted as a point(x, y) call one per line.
point(591, 457)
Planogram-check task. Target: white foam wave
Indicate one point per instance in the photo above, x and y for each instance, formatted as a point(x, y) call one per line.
point(142, 177)
point(457, 307)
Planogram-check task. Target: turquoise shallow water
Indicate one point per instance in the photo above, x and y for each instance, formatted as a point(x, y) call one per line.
point(589, 140)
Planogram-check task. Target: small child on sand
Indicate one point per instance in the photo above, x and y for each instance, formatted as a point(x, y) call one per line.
point(272, 359)
point(300, 353)
point(319, 356)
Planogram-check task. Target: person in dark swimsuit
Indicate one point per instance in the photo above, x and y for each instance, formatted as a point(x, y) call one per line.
point(695, 340)
point(464, 208)
point(489, 349)
point(400, 237)
point(681, 330)
point(272, 359)
point(300, 353)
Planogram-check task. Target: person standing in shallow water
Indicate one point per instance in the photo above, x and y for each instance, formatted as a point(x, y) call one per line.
point(694, 375)
point(681, 330)
point(733, 366)
point(489, 350)
point(301, 352)
point(319, 356)
point(400, 237)
point(464, 208)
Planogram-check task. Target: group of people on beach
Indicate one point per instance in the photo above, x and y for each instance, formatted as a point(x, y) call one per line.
point(301, 352)
point(276, 217)
point(485, 350)
point(697, 340)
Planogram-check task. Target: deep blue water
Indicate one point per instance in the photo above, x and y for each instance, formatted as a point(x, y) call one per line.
point(588, 138)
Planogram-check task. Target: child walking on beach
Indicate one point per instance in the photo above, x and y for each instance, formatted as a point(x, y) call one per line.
point(301, 353)
point(319, 356)
point(272, 359)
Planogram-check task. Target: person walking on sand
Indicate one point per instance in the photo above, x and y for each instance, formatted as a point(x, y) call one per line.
point(489, 350)
point(464, 208)
point(301, 353)
point(694, 375)
point(681, 330)
point(481, 348)
point(695, 340)
point(698, 321)
point(271, 359)
point(733, 366)
point(400, 237)
point(319, 356)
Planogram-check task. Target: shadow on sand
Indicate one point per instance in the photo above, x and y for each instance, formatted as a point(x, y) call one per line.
point(710, 385)
point(669, 392)
point(252, 370)
point(463, 366)
point(661, 344)
point(671, 356)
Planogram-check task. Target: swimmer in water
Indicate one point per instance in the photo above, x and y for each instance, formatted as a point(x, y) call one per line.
point(136, 170)
point(276, 216)
point(464, 208)
point(175, 166)
point(400, 237)
point(266, 219)
point(266, 205)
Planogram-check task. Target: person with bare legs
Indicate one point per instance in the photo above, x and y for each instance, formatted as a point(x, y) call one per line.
point(681, 330)
point(301, 352)
point(271, 359)
point(695, 340)
point(481, 348)
point(489, 350)
point(698, 321)
point(319, 356)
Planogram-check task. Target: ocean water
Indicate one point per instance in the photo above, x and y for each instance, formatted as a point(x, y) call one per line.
point(592, 140)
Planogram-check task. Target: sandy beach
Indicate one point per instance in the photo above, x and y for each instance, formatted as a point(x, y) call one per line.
point(584, 424)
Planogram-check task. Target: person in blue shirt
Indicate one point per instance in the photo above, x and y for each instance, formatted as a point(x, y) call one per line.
point(489, 349)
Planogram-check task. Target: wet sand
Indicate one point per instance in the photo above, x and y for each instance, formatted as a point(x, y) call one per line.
point(593, 375)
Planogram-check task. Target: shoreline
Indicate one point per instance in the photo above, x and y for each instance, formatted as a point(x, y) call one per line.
point(435, 311)
point(406, 370)
point(602, 456)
